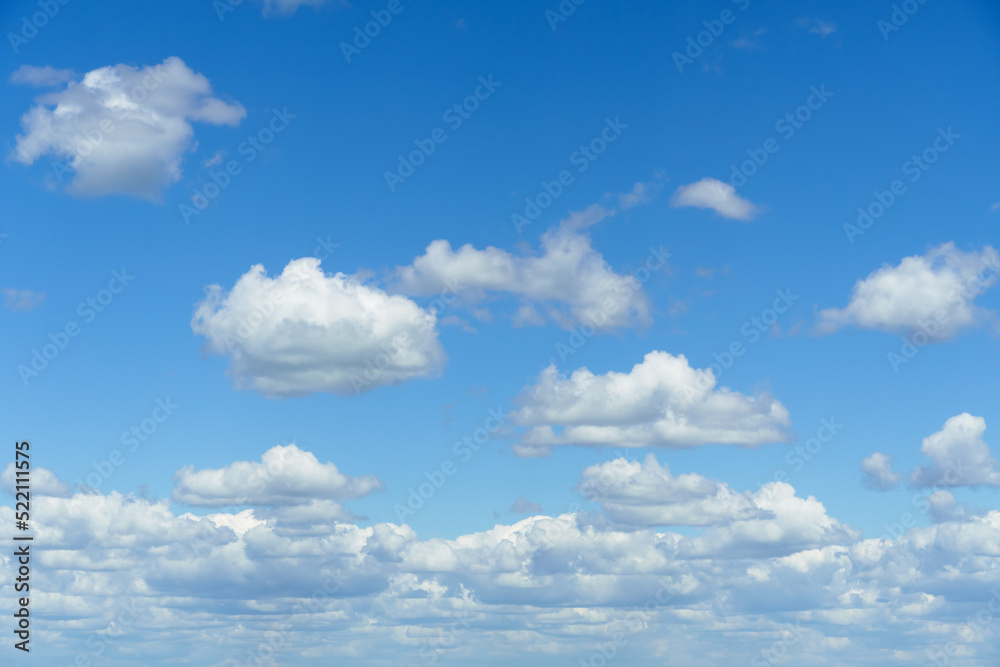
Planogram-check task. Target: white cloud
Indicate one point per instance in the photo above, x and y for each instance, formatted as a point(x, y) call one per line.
point(660, 402)
point(748, 41)
point(817, 26)
point(877, 472)
point(959, 456)
point(285, 476)
point(642, 193)
point(568, 282)
point(28, 75)
point(788, 525)
point(716, 195)
point(122, 130)
point(41, 482)
point(287, 7)
point(646, 494)
point(771, 522)
point(588, 217)
point(127, 573)
point(22, 299)
point(933, 293)
point(303, 332)
point(943, 508)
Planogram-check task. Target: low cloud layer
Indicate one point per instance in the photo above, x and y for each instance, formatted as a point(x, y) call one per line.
point(230, 587)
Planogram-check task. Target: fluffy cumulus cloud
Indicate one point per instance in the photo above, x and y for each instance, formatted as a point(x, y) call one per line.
point(129, 576)
point(285, 476)
point(716, 195)
point(647, 494)
point(304, 331)
point(41, 481)
point(772, 521)
point(933, 293)
point(662, 401)
point(566, 282)
point(877, 472)
point(959, 456)
point(120, 129)
point(786, 525)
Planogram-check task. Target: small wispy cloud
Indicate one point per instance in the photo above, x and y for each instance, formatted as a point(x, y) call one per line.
point(22, 300)
point(817, 26)
point(28, 75)
point(524, 506)
point(748, 40)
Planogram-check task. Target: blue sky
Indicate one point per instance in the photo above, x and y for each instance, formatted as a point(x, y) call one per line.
point(869, 100)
